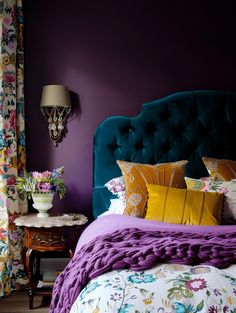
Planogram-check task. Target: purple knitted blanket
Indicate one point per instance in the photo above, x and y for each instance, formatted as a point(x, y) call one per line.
point(140, 249)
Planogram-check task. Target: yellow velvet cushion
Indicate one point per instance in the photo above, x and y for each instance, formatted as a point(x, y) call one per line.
point(183, 206)
point(220, 169)
point(137, 175)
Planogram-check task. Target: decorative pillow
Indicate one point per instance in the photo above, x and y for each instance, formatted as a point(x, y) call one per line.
point(137, 175)
point(198, 184)
point(117, 187)
point(228, 188)
point(183, 206)
point(220, 169)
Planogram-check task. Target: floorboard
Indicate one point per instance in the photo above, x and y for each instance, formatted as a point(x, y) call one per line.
point(18, 302)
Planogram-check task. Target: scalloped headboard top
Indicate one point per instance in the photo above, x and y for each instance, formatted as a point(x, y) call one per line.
point(183, 126)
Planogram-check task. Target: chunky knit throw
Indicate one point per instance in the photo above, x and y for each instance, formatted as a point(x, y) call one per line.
point(138, 250)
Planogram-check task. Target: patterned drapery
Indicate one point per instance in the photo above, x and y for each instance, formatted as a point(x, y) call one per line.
point(12, 144)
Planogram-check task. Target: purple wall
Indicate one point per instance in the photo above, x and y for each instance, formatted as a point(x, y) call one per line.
point(115, 55)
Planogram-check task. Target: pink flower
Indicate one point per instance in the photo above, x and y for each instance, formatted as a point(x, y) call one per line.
point(205, 188)
point(9, 151)
point(196, 284)
point(46, 174)
point(118, 187)
point(12, 119)
point(223, 190)
point(43, 175)
point(44, 187)
point(6, 21)
point(11, 181)
point(9, 78)
point(36, 175)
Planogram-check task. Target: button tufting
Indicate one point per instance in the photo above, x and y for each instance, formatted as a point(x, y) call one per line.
point(165, 114)
point(113, 146)
point(139, 146)
point(150, 128)
point(126, 129)
point(178, 129)
point(166, 146)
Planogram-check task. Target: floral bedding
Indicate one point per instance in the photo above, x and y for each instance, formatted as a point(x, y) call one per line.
point(166, 288)
point(120, 265)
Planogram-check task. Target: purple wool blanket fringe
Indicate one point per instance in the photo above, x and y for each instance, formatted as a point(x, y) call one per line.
point(140, 249)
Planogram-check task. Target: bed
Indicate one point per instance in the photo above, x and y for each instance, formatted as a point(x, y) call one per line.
point(128, 263)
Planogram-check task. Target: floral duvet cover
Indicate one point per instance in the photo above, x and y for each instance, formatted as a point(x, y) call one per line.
point(126, 264)
point(166, 288)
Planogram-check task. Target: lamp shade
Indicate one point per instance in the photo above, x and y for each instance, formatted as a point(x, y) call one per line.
point(55, 96)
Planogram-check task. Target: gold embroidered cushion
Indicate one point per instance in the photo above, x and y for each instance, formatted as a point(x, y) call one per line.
point(220, 169)
point(137, 175)
point(183, 206)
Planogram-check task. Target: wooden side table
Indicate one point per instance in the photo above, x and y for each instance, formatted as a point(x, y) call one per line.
point(54, 236)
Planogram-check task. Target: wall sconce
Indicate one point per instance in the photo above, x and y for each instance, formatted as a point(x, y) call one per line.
point(55, 106)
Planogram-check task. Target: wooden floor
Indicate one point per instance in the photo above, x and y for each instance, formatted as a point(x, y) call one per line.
point(18, 302)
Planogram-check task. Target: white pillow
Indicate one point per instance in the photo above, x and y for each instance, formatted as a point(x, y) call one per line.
point(116, 207)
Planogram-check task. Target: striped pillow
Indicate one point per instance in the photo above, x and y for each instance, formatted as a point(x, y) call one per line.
point(137, 175)
point(183, 206)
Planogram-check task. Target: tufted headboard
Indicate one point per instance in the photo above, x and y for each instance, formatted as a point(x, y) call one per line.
point(182, 126)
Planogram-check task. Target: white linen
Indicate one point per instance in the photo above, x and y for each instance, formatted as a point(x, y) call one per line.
point(116, 207)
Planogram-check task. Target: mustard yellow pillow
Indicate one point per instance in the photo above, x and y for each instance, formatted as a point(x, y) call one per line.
point(183, 206)
point(220, 169)
point(137, 175)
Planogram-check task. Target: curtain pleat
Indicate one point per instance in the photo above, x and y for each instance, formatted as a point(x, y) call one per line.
point(12, 144)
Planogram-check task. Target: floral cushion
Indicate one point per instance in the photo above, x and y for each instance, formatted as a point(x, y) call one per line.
point(137, 175)
point(117, 187)
point(220, 169)
point(226, 187)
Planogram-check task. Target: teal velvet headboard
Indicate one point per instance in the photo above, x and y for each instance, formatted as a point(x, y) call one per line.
point(185, 125)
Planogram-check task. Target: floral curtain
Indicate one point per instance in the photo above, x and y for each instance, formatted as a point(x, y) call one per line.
point(12, 144)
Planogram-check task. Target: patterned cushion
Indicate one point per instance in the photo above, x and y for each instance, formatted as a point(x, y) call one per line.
point(182, 206)
point(117, 187)
point(227, 188)
point(137, 175)
point(220, 169)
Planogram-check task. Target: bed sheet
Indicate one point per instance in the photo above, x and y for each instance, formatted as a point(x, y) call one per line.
point(165, 288)
point(120, 260)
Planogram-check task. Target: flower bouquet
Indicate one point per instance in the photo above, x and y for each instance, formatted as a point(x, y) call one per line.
point(42, 187)
point(35, 182)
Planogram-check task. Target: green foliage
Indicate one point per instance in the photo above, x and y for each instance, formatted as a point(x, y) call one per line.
point(199, 306)
point(179, 293)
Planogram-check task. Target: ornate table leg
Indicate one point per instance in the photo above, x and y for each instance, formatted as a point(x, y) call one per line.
point(29, 270)
point(23, 254)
